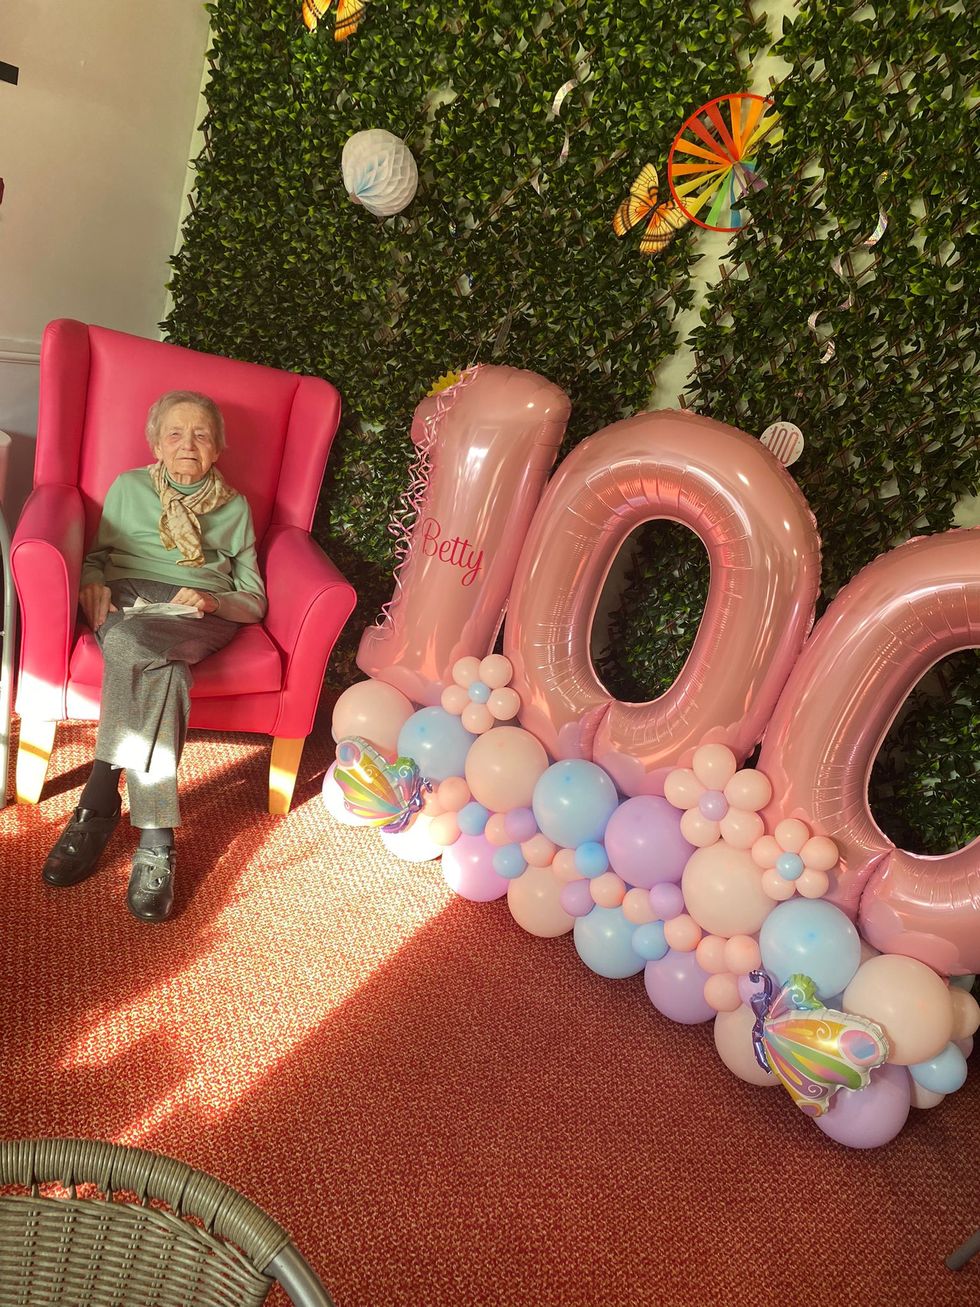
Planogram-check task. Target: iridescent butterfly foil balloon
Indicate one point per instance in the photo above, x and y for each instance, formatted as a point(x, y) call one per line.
point(381, 793)
point(811, 1049)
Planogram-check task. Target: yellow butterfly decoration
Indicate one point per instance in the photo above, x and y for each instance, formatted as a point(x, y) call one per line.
point(666, 219)
point(346, 20)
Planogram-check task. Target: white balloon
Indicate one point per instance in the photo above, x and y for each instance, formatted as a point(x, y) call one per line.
point(414, 843)
point(379, 172)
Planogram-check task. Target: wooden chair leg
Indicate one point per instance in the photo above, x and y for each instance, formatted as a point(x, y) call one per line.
point(33, 754)
point(286, 755)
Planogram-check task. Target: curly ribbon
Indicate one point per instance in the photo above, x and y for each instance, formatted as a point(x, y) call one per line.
point(410, 502)
point(555, 110)
point(761, 1004)
point(837, 264)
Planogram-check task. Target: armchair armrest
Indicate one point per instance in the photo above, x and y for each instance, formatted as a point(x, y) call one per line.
point(309, 602)
point(46, 561)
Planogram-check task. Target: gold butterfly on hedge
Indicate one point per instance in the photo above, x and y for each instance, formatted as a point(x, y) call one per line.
point(346, 19)
point(666, 219)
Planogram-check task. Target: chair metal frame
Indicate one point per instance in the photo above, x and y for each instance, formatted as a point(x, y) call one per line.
point(96, 1248)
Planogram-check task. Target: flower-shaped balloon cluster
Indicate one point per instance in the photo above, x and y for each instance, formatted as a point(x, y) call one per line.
point(720, 802)
point(481, 693)
point(794, 861)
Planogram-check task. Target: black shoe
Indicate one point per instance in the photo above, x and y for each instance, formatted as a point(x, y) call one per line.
point(151, 884)
point(77, 852)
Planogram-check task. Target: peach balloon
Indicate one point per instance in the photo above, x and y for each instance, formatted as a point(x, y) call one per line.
point(495, 670)
point(721, 992)
point(444, 829)
point(742, 955)
point(723, 891)
point(564, 866)
point(491, 441)
point(477, 718)
point(682, 788)
point(374, 711)
point(924, 1098)
point(608, 891)
point(764, 553)
point(495, 830)
point(455, 700)
point(820, 853)
point(534, 904)
point(710, 954)
point(966, 1013)
point(699, 830)
point(897, 618)
point(910, 1003)
point(741, 829)
point(453, 793)
point(466, 671)
point(791, 835)
point(539, 851)
point(748, 789)
point(733, 1041)
point(504, 704)
point(636, 907)
point(682, 933)
point(812, 884)
point(775, 887)
point(765, 851)
point(503, 766)
point(714, 765)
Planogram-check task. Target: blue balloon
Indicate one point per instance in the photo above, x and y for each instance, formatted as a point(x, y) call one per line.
point(649, 942)
point(591, 859)
point(438, 742)
point(479, 692)
point(944, 1073)
point(473, 818)
point(603, 940)
point(573, 802)
point(509, 861)
point(812, 938)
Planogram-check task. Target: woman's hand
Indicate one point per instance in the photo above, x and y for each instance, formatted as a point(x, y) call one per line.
point(203, 600)
point(96, 603)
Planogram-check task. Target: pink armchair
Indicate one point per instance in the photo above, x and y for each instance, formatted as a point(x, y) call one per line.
point(96, 387)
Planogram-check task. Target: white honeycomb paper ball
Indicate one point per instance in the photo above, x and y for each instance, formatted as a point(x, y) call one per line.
point(379, 172)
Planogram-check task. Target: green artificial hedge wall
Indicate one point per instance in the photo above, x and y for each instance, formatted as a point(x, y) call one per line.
point(507, 255)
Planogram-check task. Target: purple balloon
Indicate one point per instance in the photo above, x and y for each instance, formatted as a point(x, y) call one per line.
point(644, 842)
point(675, 987)
point(468, 868)
point(869, 1117)
point(667, 900)
point(576, 898)
point(520, 825)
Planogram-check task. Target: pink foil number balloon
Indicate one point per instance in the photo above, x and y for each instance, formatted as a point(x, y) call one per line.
point(489, 443)
point(765, 565)
point(899, 616)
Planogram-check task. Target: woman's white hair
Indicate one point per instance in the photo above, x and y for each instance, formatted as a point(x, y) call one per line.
point(159, 410)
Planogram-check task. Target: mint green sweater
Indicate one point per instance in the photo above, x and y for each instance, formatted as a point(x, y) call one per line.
point(127, 544)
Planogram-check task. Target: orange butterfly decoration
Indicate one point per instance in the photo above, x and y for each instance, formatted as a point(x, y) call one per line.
point(666, 219)
point(346, 20)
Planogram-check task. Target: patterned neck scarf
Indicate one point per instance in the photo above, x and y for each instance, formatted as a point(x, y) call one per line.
point(180, 527)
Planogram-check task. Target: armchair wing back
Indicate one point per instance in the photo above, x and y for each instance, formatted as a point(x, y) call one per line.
point(96, 388)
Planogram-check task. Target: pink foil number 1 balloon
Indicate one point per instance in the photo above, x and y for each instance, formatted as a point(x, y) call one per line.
point(489, 443)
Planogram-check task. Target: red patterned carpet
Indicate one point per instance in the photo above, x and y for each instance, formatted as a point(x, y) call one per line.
point(442, 1109)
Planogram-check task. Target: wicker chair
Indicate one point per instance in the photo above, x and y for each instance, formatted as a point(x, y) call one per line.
point(190, 1240)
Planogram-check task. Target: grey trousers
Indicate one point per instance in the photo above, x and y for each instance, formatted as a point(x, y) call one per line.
point(146, 701)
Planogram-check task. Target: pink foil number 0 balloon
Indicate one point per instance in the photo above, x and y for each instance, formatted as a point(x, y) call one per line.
point(896, 618)
point(765, 568)
point(491, 441)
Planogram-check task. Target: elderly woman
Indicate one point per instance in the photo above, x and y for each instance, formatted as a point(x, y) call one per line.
point(173, 533)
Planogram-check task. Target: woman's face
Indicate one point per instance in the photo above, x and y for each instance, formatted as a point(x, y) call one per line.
point(186, 444)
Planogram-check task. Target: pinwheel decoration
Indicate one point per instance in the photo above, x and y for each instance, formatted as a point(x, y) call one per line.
point(812, 1050)
point(712, 162)
point(381, 793)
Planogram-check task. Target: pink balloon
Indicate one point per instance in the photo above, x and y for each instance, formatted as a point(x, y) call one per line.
point(521, 825)
point(575, 897)
point(764, 553)
point(491, 441)
point(503, 767)
point(534, 900)
point(899, 616)
point(666, 901)
point(468, 868)
point(373, 711)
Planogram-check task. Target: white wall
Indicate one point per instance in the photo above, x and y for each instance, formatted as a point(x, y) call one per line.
point(94, 143)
